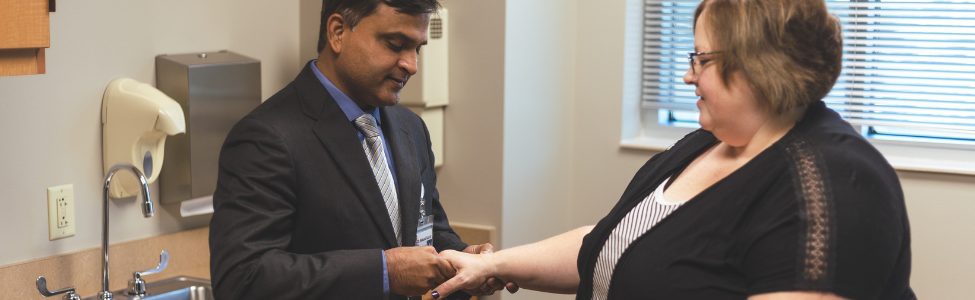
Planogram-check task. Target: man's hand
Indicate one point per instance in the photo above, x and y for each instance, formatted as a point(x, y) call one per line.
point(492, 284)
point(485, 248)
point(415, 270)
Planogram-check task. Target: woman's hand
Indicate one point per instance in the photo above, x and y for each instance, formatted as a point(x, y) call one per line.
point(493, 284)
point(473, 274)
point(545, 266)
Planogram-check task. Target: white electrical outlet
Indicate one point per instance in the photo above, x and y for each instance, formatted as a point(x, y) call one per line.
point(60, 211)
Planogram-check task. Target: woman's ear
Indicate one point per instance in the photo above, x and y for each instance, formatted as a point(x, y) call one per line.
point(336, 28)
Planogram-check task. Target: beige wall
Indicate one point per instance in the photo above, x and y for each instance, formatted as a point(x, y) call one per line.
point(939, 207)
point(470, 179)
point(539, 56)
point(538, 111)
point(310, 16)
point(601, 169)
point(50, 128)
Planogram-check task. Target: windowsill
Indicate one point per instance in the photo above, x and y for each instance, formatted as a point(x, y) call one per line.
point(931, 165)
point(900, 163)
point(645, 143)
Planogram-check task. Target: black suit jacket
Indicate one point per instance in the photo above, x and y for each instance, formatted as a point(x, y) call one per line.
point(297, 211)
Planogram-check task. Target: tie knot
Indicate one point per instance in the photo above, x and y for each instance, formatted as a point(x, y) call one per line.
point(367, 125)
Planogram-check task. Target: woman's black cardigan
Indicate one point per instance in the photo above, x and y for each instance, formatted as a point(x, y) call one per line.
point(819, 210)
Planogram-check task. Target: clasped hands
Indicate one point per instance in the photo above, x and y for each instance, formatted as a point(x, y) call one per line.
point(415, 270)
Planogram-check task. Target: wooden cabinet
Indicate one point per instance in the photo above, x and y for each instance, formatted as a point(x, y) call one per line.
point(25, 32)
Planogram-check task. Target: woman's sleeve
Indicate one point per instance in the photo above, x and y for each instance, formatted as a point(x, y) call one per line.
point(837, 224)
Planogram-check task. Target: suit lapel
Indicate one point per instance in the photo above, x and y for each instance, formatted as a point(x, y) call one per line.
point(341, 140)
point(407, 172)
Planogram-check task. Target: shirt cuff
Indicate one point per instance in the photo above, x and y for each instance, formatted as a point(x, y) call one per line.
point(385, 278)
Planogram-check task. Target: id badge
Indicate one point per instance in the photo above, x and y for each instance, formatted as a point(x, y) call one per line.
point(424, 231)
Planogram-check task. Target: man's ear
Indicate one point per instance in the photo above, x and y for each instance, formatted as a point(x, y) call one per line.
point(336, 29)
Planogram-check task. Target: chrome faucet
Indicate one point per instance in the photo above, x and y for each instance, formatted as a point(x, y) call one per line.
point(147, 211)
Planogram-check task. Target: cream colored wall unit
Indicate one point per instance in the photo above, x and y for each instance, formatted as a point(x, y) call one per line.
point(136, 119)
point(433, 117)
point(25, 32)
point(428, 88)
point(426, 93)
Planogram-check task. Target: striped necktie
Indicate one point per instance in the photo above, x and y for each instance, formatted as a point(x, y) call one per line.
point(376, 153)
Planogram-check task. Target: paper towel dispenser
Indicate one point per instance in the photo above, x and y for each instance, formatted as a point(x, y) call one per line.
point(215, 90)
point(136, 119)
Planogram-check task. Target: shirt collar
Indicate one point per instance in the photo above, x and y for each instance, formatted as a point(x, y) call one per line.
point(351, 110)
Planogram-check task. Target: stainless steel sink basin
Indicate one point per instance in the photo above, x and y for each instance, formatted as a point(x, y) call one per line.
point(177, 288)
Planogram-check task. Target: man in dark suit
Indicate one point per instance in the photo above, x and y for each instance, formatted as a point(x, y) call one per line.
point(322, 188)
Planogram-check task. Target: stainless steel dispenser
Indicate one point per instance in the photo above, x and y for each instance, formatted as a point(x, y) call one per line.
point(216, 90)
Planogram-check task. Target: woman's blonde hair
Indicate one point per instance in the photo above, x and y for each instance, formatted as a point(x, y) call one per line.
point(789, 51)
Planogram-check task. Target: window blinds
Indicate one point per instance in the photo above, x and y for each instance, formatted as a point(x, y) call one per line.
point(668, 36)
point(906, 64)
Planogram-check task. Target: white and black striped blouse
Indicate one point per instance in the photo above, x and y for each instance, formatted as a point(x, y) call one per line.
point(637, 222)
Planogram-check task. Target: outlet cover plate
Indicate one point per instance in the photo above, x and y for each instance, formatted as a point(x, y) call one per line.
point(60, 211)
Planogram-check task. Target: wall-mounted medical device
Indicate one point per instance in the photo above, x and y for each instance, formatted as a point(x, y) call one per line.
point(429, 87)
point(427, 93)
point(136, 119)
point(216, 90)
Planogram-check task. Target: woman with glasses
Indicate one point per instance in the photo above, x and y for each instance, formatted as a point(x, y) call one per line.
point(775, 197)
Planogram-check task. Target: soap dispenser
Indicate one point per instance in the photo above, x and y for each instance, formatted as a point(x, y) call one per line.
point(136, 119)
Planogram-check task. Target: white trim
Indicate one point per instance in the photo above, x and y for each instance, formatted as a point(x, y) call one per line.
point(632, 69)
point(927, 157)
point(924, 159)
point(931, 165)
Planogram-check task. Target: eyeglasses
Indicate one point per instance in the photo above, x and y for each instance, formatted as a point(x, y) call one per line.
point(696, 63)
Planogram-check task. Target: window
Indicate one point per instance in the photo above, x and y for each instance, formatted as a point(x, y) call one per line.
point(668, 36)
point(908, 79)
point(908, 68)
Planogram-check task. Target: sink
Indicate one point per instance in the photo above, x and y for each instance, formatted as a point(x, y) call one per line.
point(177, 288)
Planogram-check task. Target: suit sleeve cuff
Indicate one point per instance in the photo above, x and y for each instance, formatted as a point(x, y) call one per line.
point(448, 240)
point(385, 278)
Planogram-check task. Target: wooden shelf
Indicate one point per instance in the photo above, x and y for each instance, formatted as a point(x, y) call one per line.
point(21, 61)
point(25, 32)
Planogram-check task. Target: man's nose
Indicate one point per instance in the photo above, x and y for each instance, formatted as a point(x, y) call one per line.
point(408, 62)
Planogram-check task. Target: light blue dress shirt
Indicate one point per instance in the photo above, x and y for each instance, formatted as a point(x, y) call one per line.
point(352, 111)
